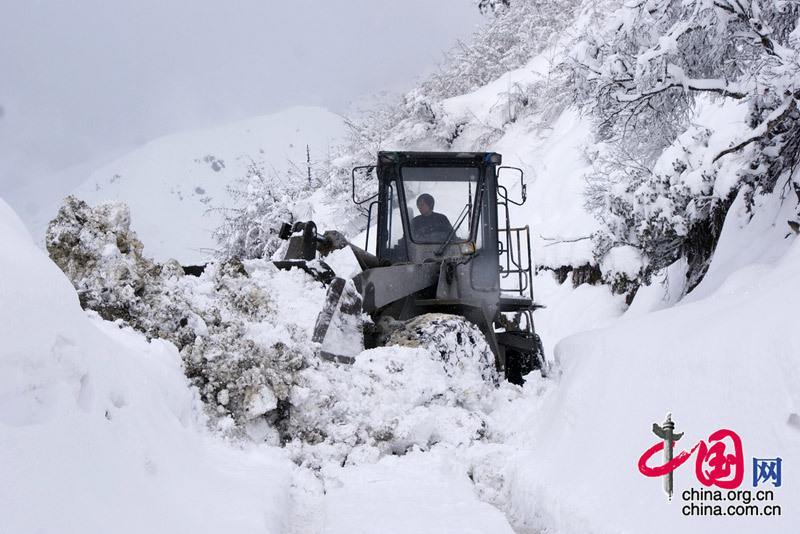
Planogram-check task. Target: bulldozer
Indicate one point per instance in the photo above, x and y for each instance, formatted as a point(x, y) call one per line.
point(441, 242)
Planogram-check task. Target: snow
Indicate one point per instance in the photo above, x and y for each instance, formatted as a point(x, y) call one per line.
point(109, 421)
point(570, 310)
point(106, 433)
point(623, 259)
point(555, 166)
point(421, 493)
point(175, 186)
point(728, 359)
point(101, 427)
point(490, 102)
point(667, 288)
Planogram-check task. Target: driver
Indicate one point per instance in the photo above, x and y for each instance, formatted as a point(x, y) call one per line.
point(429, 226)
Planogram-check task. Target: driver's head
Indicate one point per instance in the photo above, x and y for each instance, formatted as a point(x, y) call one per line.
point(425, 203)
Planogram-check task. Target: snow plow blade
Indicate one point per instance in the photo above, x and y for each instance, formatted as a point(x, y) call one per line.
point(319, 270)
point(340, 328)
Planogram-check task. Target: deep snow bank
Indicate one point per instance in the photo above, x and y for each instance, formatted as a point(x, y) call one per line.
point(99, 430)
point(729, 359)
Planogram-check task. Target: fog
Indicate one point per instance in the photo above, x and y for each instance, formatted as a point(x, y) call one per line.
point(83, 81)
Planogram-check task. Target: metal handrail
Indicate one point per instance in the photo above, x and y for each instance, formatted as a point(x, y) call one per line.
point(513, 262)
point(512, 255)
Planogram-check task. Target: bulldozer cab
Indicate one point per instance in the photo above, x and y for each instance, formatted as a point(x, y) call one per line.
point(440, 206)
point(434, 206)
point(431, 205)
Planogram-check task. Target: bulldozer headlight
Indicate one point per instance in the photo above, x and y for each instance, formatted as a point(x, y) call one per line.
point(468, 248)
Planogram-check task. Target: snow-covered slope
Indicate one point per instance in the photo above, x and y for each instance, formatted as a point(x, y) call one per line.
point(175, 185)
point(99, 430)
point(552, 158)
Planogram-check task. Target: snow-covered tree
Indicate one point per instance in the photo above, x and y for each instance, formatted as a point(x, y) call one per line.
point(264, 200)
point(642, 77)
point(510, 39)
point(492, 6)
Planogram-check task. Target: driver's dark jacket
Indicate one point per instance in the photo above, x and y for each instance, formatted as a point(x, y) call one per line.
point(431, 228)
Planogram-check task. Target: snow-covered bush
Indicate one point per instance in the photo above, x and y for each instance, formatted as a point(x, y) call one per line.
point(517, 31)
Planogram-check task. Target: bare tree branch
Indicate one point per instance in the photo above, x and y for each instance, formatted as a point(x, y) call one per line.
point(558, 240)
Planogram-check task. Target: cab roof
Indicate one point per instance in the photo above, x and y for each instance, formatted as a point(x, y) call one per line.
point(438, 158)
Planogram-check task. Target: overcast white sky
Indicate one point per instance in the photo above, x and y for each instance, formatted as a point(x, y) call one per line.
point(85, 78)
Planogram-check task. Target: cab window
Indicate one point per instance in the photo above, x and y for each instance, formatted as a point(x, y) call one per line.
point(440, 200)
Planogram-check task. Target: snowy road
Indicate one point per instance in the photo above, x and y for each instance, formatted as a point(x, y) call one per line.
point(419, 492)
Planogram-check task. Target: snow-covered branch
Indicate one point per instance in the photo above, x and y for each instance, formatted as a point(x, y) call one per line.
point(765, 128)
point(709, 86)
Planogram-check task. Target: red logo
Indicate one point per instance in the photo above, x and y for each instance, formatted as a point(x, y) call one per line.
point(715, 465)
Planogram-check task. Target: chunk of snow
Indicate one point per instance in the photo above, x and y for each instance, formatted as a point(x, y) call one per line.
point(623, 259)
point(343, 262)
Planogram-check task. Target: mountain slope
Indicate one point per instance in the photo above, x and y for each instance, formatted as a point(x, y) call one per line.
point(176, 185)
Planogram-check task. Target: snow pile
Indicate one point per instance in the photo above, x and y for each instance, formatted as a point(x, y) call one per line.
point(86, 242)
point(228, 323)
point(391, 401)
point(100, 430)
point(244, 332)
